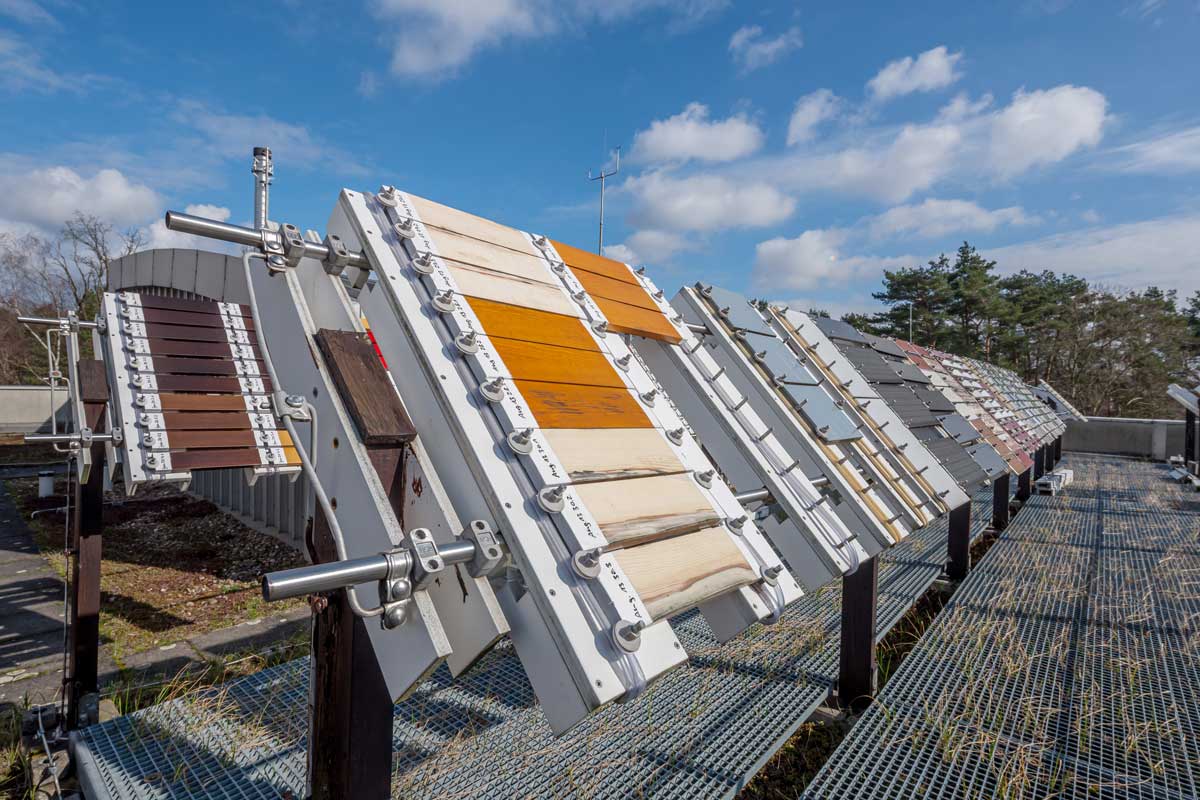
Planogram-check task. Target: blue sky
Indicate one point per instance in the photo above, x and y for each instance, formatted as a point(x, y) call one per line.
point(791, 150)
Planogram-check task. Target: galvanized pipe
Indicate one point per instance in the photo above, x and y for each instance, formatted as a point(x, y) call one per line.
point(247, 237)
point(750, 497)
point(263, 168)
point(52, 322)
point(458, 552)
point(324, 577)
point(44, 438)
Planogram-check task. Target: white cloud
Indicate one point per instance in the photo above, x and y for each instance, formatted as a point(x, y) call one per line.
point(434, 38)
point(21, 68)
point(933, 69)
point(751, 50)
point(28, 12)
point(651, 246)
point(1167, 153)
point(621, 252)
point(811, 110)
point(1091, 216)
point(47, 197)
point(704, 203)
point(1163, 252)
point(1045, 126)
point(691, 135)
point(814, 259)
point(963, 107)
point(934, 218)
point(158, 235)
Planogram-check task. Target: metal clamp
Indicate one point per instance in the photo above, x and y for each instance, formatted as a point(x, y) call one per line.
point(426, 561)
point(488, 557)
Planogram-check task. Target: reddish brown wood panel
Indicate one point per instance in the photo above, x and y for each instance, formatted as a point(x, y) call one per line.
point(197, 306)
point(203, 421)
point(167, 316)
point(500, 320)
point(171, 365)
point(578, 259)
point(363, 385)
point(194, 349)
point(190, 333)
point(224, 459)
point(201, 440)
point(201, 402)
point(203, 383)
point(562, 405)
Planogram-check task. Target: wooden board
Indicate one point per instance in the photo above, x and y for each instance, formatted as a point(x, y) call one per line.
point(613, 289)
point(491, 285)
point(363, 384)
point(170, 316)
point(453, 219)
point(640, 510)
point(193, 349)
point(185, 304)
point(202, 421)
point(551, 364)
point(676, 574)
point(201, 402)
point(578, 259)
point(561, 405)
point(531, 325)
point(224, 459)
point(198, 440)
point(601, 455)
point(473, 252)
point(204, 383)
point(190, 333)
point(624, 318)
point(175, 365)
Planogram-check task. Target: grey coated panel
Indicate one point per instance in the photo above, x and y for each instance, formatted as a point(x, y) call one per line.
point(957, 461)
point(886, 346)
point(987, 458)
point(957, 426)
point(735, 310)
point(836, 329)
point(830, 421)
point(937, 402)
point(782, 363)
point(909, 371)
point(870, 364)
point(912, 412)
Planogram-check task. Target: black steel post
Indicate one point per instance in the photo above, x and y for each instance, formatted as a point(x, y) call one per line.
point(1025, 485)
point(1189, 440)
point(1000, 489)
point(958, 546)
point(857, 668)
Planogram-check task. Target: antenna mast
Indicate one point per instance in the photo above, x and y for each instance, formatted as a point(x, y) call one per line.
point(602, 177)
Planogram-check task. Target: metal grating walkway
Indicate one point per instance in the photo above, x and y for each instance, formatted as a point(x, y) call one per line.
point(1067, 665)
point(701, 731)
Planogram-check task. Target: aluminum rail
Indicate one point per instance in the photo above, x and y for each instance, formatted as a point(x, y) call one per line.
point(247, 237)
point(54, 322)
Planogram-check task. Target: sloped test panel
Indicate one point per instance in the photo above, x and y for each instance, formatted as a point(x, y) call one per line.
point(191, 389)
point(526, 401)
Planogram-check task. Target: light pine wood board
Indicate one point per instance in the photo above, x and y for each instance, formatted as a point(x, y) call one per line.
point(578, 259)
point(453, 219)
point(533, 361)
point(563, 405)
point(601, 455)
point(500, 320)
point(473, 252)
point(673, 575)
point(612, 289)
point(490, 285)
point(641, 510)
point(624, 318)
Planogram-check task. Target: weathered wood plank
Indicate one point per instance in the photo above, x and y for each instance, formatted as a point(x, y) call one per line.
point(613, 289)
point(641, 510)
point(491, 285)
point(624, 318)
point(223, 459)
point(199, 440)
point(449, 218)
point(602, 455)
point(364, 386)
point(467, 251)
point(544, 362)
point(578, 259)
point(531, 325)
point(673, 575)
point(202, 402)
point(563, 405)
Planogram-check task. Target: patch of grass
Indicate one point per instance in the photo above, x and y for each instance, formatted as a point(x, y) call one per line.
point(15, 766)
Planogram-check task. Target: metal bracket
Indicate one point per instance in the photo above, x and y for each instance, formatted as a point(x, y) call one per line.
point(426, 561)
point(489, 555)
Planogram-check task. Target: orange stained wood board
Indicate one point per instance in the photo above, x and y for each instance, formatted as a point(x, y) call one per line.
point(196, 440)
point(598, 454)
point(453, 219)
point(624, 318)
point(533, 361)
point(673, 575)
point(581, 259)
point(600, 286)
point(491, 285)
point(563, 405)
point(201, 402)
point(476, 253)
point(531, 325)
point(640, 510)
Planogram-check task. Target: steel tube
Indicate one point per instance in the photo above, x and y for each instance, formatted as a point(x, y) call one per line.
point(247, 237)
point(51, 321)
point(323, 577)
point(696, 328)
point(750, 497)
point(42, 438)
point(458, 552)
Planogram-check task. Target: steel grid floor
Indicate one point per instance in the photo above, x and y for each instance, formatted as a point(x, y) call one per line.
point(701, 731)
point(1067, 665)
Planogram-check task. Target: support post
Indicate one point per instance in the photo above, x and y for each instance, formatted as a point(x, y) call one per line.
point(958, 546)
point(1058, 449)
point(1039, 463)
point(1000, 489)
point(350, 728)
point(81, 680)
point(1024, 485)
point(857, 668)
point(1189, 439)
